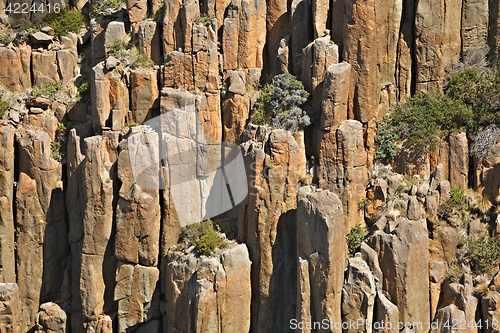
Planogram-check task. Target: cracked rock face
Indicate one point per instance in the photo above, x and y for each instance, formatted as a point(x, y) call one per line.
point(88, 245)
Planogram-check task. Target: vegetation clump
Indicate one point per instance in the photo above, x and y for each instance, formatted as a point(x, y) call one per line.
point(4, 106)
point(484, 253)
point(457, 202)
point(470, 103)
point(117, 49)
point(59, 144)
point(354, 238)
point(65, 21)
point(204, 237)
point(280, 102)
point(205, 19)
point(101, 6)
point(143, 62)
point(48, 90)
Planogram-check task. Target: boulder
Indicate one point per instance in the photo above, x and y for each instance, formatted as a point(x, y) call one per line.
point(50, 319)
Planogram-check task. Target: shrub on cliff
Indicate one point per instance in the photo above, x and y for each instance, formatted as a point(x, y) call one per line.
point(4, 106)
point(65, 21)
point(203, 236)
point(470, 103)
point(484, 253)
point(280, 104)
point(354, 238)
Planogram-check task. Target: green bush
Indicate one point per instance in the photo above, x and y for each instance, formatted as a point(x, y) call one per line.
point(205, 19)
point(262, 112)
point(354, 238)
point(485, 253)
point(456, 202)
point(55, 147)
point(65, 21)
point(117, 49)
point(4, 106)
point(99, 7)
point(478, 90)
point(6, 37)
point(386, 140)
point(83, 90)
point(160, 13)
point(142, 61)
point(48, 90)
point(470, 103)
point(280, 104)
point(203, 236)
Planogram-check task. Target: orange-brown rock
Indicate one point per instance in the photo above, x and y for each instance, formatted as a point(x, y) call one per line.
point(138, 208)
point(275, 161)
point(459, 160)
point(404, 261)
point(178, 24)
point(437, 41)
point(137, 10)
point(178, 71)
point(108, 93)
point(208, 294)
point(317, 57)
point(8, 271)
point(10, 308)
point(138, 296)
point(144, 94)
point(343, 169)
point(321, 252)
point(301, 32)
point(148, 37)
point(244, 34)
point(30, 227)
point(15, 72)
point(44, 68)
point(205, 58)
point(98, 263)
point(51, 318)
point(335, 96)
point(278, 26)
point(235, 112)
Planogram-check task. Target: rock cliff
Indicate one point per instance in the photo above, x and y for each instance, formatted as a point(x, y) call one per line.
point(92, 213)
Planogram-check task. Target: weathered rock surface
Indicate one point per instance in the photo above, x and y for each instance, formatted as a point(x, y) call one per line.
point(342, 163)
point(15, 72)
point(321, 251)
point(438, 41)
point(214, 292)
point(50, 319)
point(404, 261)
point(7, 154)
point(276, 161)
point(10, 308)
point(358, 295)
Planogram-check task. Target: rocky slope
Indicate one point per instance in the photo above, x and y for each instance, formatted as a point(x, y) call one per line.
point(88, 246)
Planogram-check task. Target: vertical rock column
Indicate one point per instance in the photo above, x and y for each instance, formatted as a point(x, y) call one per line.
point(275, 161)
point(404, 260)
point(208, 294)
point(438, 41)
point(97, 270)
point(137, 246)
point(41, 224)
point(7, 268)
point(321, 254)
